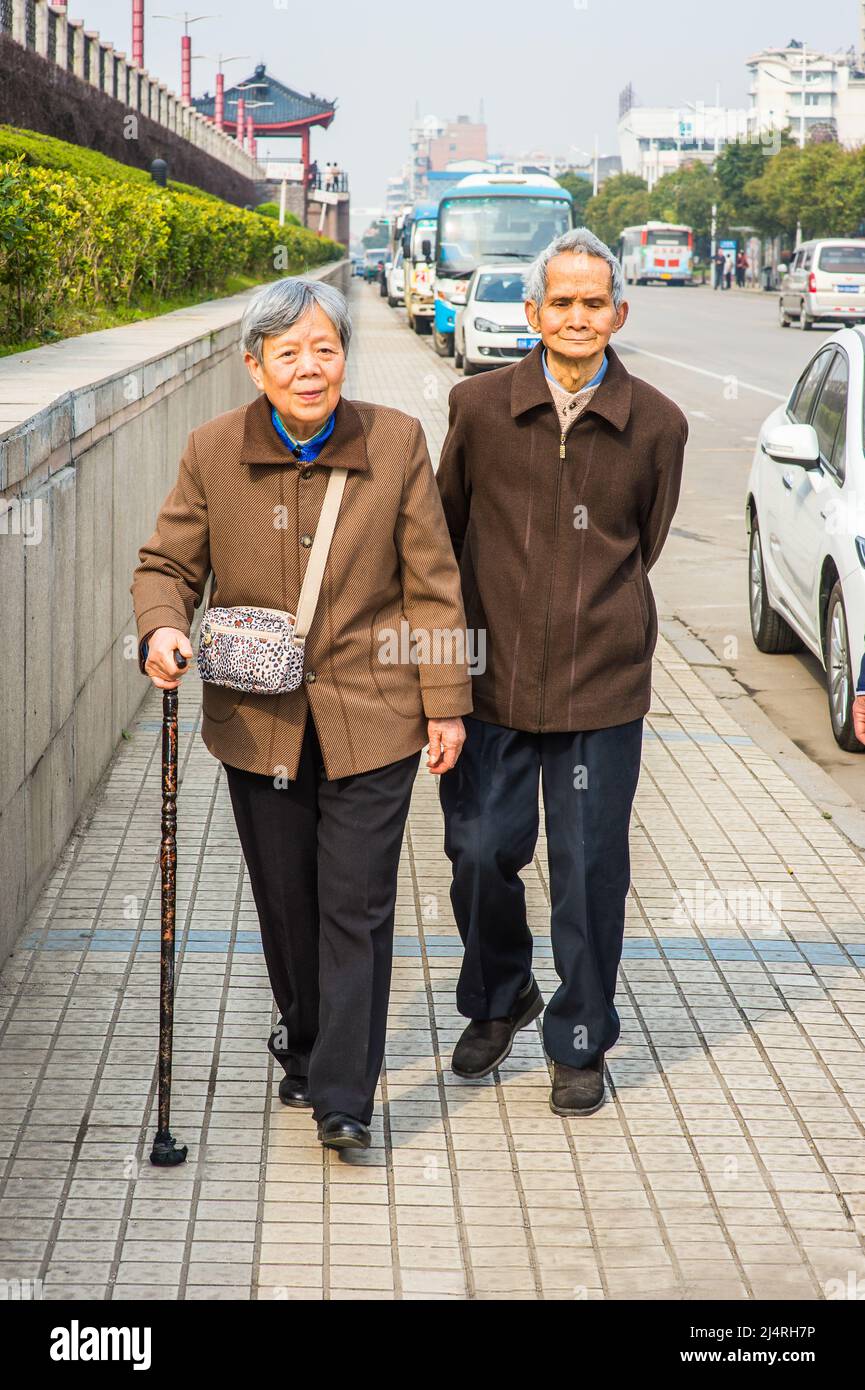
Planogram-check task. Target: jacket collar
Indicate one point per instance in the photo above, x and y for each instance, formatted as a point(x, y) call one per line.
point(612, 399)
point(346, 447)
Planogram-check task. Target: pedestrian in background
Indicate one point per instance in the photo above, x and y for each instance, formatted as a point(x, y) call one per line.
point(741, 269)
point(320, 777)
point(728, 273)
point(720, 263)
point(559, 477)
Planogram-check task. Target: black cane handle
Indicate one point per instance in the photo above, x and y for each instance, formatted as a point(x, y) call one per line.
point(179, 658)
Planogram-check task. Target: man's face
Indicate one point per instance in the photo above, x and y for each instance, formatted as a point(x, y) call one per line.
point(578, 317)
point(302, 371)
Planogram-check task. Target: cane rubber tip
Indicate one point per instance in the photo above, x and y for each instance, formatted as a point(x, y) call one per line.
point(166, 1154)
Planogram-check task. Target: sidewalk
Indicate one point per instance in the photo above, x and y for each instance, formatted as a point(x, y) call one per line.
point(728, 1162)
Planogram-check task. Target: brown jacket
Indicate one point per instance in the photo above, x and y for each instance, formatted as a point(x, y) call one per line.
point(555, 536)
point(244, 510)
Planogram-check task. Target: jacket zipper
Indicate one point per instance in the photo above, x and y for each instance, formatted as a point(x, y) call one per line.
point(552, 582)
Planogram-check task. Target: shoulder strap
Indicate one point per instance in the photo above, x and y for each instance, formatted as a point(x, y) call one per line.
point(311, 586)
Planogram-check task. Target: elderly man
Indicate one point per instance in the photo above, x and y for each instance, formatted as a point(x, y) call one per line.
point(559, 478)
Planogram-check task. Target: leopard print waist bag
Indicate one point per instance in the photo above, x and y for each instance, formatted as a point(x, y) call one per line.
point(261, 650)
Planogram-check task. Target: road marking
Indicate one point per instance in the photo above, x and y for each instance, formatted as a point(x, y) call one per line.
point(703, 371)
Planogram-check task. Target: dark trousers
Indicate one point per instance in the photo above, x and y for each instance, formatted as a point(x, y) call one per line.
point(490, 803)
point(322, 859)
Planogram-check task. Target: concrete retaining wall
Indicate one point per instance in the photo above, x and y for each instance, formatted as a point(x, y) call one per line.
point(91, 433)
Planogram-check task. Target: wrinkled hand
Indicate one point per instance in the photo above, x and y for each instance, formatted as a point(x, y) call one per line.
point(160, 665)
point(446, 739)
point(859, 717)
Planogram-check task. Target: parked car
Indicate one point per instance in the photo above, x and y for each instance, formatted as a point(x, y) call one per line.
point(492, 328)
point(396, 280)
point(373, 262)
point(357, 264)
point(824, 282)
point(806, 521)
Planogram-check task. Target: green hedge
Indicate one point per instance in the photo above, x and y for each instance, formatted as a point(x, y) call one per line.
point(272, 210)
point(100, 241)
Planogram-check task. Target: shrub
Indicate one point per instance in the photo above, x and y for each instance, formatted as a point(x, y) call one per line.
point(272, 210)
point(73, 237)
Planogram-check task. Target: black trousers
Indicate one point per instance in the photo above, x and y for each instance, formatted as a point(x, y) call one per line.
point(490, 803)
point(322, 858)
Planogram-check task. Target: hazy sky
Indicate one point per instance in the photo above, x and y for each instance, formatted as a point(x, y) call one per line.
point(549, 71)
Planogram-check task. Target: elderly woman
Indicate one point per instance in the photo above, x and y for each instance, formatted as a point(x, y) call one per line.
point(320, 777)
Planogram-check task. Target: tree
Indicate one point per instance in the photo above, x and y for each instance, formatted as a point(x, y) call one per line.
point(622, 201)
point(580, 190)
point(686, 195)
point(737, 166)
point(823, 186)
point(377, 234)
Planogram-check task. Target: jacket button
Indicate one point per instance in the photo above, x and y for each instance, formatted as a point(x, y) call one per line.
point(310, 676)
point(306, 474)
point(306, 541)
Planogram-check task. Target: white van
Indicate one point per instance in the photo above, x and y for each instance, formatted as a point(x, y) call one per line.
point(824, 281)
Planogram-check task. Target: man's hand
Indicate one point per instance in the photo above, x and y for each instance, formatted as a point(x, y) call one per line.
point(859, 717)
point(160, 665)
point(446, 739)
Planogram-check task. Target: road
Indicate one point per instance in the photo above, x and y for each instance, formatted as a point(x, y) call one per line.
point(724, 359)
point(727, 363)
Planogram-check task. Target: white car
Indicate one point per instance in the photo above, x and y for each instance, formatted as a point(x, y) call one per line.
point(396, 280)
point(825, 280)
point(492, 327)
point(806, 518)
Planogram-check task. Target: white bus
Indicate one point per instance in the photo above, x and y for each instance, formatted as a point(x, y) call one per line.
point(657, 251)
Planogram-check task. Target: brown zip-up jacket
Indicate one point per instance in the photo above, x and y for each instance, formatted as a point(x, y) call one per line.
point(242, 509)
point(555, 534)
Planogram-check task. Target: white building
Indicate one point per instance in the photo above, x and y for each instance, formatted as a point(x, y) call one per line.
point(802, 89)
point(656, 140)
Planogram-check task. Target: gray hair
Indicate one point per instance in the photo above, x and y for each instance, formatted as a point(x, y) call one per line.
point(277, 306)
point(581, 242)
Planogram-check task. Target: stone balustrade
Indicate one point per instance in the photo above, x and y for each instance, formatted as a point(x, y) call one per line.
point(47, 29)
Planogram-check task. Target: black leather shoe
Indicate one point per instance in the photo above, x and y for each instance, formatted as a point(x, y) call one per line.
point(294, 1090)
point(338, 1131)
point(487, 1042)
point(577, 1090)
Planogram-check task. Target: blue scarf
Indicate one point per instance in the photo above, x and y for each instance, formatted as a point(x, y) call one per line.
point(308, 452)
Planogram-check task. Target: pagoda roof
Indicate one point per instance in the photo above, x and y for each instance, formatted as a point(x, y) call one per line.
point(290, 110)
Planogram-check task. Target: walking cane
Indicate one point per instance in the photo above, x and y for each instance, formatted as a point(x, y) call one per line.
point(165, 1153)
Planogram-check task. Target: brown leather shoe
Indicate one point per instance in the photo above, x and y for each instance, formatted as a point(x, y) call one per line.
point(577, 1090)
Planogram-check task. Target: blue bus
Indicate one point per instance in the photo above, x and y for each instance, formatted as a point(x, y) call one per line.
point(491, 217)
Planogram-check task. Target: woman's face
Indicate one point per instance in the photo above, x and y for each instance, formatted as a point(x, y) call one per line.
point(302, 372)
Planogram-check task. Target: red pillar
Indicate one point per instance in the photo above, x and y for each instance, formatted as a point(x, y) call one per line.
point(219, 108)
point(186, 69)
point(239, 133)
point(138, 33)
point(305, 154)
point(250, 132)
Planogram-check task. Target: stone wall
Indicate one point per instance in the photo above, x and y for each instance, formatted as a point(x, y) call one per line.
point(91, 433)
point(36, 94)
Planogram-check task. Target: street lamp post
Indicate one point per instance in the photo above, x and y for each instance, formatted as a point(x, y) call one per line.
point(219, 100)
point(785, 83)
point(186, 50)
point(249, 107)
